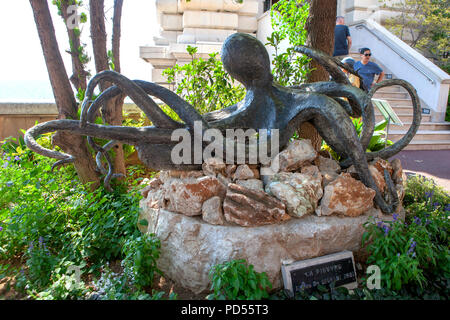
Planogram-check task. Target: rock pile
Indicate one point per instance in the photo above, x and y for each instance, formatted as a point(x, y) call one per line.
point(306, 183)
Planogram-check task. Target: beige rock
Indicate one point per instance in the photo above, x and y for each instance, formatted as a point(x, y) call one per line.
point(190, 246)
point(212, 211)
point(297, 154)
point(249, 208)
point(243, 172)
point(223, 179)
point(378, 177)
point(213, 166)
point(398, 176)
point(346, 196)
point(151, 184)
point(381, 164)
point(230, 170)
point(299, 192)
point(253, 184)
point(328, 165)
point(328, 177)
point(186, 196)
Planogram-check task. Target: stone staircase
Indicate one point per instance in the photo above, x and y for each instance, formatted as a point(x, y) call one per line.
point(430, 136)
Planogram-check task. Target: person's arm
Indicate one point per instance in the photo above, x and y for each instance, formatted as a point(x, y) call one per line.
point(380, 77)
point(349, 40)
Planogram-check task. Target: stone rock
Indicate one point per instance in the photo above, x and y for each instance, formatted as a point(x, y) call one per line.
point(151, 184)
point(253, 184)
point(213, 167)
point(398, 176)
point(297, 154)
point(378, 177)
point(230, 170)
point(179, 174)
point(311, 170)
point(186, 196)
point(243, 172)
point(249, 208)
point(155, 198)
point(298, 191)
point(328, 165)
point(223, 179)
point(190, 246)
point(328, 177)
point(381, 164)
point(346, 196)
point(212, 211)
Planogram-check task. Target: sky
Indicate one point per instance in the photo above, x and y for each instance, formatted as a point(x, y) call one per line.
point(21, 57)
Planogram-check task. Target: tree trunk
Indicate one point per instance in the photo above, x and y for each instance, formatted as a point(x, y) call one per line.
point(320, 28)
point(111, 111)
point(62, 91)
point(79, 75)
point(116, 117)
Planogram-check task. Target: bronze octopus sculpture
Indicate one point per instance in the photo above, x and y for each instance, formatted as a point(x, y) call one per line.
point(266, 105)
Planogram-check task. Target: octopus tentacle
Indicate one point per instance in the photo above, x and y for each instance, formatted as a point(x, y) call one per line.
point(406, 139)
point(136, 93)
point(329, 63)
point(181, 107)
point(359, 104)
point(128, 135)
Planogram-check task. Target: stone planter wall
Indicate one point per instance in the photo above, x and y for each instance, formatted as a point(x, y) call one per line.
point(310, 208)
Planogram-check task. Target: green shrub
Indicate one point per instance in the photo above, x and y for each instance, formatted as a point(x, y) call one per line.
point(235, 280)
point(204, 83)
point(420, 189)
point(414, 253)
point(64, 287)
point(141, 254)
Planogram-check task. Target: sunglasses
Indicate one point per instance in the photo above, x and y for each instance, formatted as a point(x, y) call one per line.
point(368, 54)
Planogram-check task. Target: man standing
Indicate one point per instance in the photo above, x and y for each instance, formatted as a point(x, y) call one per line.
point(342, 39)
point(368, 69)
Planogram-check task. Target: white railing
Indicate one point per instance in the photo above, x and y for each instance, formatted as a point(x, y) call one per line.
point(431, 82)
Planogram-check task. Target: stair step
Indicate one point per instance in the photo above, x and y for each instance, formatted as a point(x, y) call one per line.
point(399, 102)
point(428, 145)
point(404, 117)
point(421, 135)
point(390, 95)
point(394, 89)
point(423, 126)
point(398, 109)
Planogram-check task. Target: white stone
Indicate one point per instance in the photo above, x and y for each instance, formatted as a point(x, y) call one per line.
point(212, 211)
point(207, 19)
point(247, 24)
point(253, 184)
point(299, 192)
point(190, 247)
point(250, 7)
point(168, 6)
point(209, 5)
point(296, 154)
point(195, 35)
point(243, 172)
point(172, 22)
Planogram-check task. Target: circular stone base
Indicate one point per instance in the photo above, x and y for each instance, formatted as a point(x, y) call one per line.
point(190, 246)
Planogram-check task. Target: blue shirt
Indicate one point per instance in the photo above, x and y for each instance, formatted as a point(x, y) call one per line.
point(341, 32)
point(367, 72)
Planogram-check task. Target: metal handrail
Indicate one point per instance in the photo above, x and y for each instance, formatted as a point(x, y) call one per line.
point(361, 25)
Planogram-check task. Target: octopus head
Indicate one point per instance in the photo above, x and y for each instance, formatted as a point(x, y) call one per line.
point(246, 59)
